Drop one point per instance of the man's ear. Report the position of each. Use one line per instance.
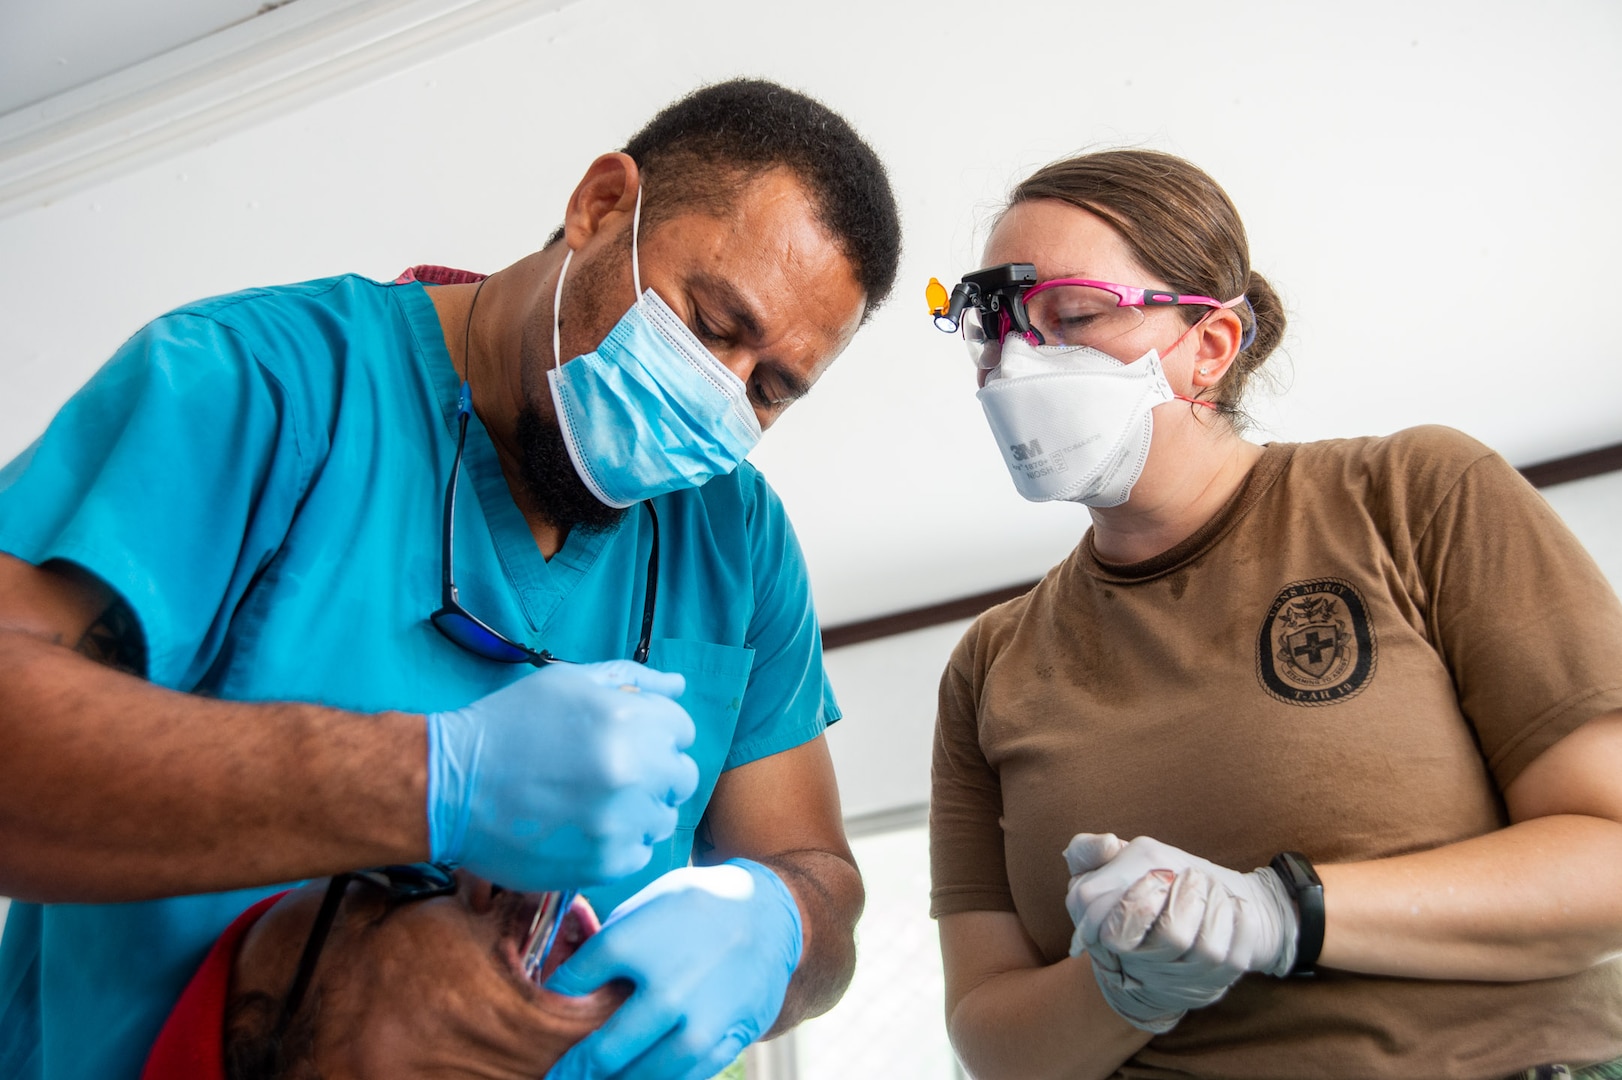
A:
(608, 188)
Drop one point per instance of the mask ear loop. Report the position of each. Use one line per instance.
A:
(557, 294)
(636, 222)
(557, 299)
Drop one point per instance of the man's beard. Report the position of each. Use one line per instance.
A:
(556, 493)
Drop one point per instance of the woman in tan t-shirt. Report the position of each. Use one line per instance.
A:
(1379, 671)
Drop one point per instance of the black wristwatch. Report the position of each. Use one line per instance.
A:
(1301, 880)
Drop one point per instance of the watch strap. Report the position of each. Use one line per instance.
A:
(1301, 881)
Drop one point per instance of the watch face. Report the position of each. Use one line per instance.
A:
(1296, 871)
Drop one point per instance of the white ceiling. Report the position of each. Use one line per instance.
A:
(1430, 186)
(56, 45)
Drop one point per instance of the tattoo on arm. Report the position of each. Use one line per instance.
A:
(115, 639)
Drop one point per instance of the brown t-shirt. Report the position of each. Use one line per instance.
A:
(1352, 660)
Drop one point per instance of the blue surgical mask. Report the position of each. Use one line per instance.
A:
(650, 410)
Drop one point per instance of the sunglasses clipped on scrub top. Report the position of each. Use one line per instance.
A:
(475, 635)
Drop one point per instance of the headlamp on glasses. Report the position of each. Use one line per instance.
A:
(990, 304)
(993, 294)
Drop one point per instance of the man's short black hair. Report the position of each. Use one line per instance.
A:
(703, 148)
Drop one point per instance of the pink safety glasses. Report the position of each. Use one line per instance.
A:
(1073, 312)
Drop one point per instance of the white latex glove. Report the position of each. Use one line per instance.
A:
(1167, 931)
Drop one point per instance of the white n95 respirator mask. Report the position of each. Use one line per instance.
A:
(1071, 422)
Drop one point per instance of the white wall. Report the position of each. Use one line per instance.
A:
(1593, 509)
(1426, 183)
(887, 690)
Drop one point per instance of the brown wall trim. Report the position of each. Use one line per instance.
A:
(967, 607)
(1606, 459)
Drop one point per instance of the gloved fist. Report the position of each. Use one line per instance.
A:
(1168, 931)
(565, 778)
(710, 949)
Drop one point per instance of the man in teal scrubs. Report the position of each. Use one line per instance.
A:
(218, 670)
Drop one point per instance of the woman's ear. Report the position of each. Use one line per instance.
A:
(609, 187)
(1216, 345)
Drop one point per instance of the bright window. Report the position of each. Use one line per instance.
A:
(890, 1023)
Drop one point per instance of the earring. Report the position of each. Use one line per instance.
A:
(1205, 371)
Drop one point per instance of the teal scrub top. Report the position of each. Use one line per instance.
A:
(261, 477)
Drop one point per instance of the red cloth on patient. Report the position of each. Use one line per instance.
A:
(191, 1045)
(429, 274)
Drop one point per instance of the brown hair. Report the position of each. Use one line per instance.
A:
(1180, 226)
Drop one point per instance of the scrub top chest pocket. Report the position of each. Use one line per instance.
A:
(717, 679)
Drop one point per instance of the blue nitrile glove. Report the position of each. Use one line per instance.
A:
(710, 949)
(565, 778)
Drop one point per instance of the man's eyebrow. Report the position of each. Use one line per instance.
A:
(721, 291)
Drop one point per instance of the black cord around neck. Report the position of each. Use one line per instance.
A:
(467, 337)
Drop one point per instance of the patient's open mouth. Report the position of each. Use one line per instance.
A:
(518, 915)
(579, 923)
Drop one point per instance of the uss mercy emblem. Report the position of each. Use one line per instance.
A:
(1316, 646)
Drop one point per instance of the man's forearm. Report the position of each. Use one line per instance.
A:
(829, 892)
(112, 789)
